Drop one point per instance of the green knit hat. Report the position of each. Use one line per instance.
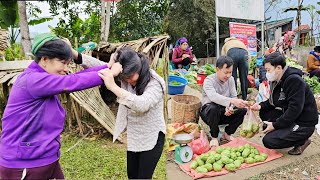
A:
(41, 39)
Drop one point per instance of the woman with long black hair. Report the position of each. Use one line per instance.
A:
(140, 111)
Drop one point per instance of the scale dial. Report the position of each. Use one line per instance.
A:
(186, 154)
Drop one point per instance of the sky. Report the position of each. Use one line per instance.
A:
(275, 12)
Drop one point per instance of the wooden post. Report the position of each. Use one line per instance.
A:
(76, 112)
(5, 90)
(68, 108)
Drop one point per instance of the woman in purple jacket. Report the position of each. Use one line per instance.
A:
(34, 118)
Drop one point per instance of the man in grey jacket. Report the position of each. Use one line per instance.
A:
(219, 101)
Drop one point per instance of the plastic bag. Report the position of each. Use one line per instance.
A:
(318, 125)
(201, 145)
(250, 125)
(264, 92)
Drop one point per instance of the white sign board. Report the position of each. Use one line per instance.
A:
(241, 9)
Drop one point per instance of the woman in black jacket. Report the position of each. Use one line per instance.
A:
(291, 113)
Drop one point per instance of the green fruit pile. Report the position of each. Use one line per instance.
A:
(251, 131)
(229, 158)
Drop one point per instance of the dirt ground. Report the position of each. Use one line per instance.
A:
(308, 168)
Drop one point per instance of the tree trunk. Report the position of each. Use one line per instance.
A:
(24, 28)
(299, 20)
(103, 23)
(312, 42)
(107, 21)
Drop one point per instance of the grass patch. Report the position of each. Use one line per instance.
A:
(98, 159)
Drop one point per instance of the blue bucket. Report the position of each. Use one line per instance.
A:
(176, 89)
(259, 61)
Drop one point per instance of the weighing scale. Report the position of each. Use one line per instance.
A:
(183, 152)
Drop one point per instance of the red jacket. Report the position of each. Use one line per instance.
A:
(177, 55)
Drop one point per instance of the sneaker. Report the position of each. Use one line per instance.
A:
(299, 149)
(214, 142)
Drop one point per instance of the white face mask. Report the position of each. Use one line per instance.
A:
(272, 76)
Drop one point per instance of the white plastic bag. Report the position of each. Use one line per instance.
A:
(264, 92)
(318, 125)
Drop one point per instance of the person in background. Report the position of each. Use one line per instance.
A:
(284, 44)
(218, 101)
(290, 114)
(182, 54)
(140, 112)
(34, 118)
(313, 62)
(238, 52)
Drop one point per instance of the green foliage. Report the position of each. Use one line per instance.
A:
(8, 14)
(98, 159)
(195, 20)
(14, 52)
(71, 26)
(136, 19)
(9, 18)
(33, 22)
(133, 19)
(85, 31)
(252, 65)
(313, 84)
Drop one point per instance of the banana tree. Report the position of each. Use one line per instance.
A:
(9, 19)
(298, 9)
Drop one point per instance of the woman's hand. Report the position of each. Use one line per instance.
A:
(112, 60)
(74, 52)
(185, 56)
(255, 107)
(107, 76)
(116, 69)
(269, 127)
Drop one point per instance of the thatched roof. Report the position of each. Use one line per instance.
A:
(3, 41)
(90, 99)
(152, 46)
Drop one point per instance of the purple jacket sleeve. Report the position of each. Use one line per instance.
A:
(95, 68)
(40, 84)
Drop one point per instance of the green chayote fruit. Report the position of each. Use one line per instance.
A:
(240, 148)
(201, 169)
(193, 165)
(199, 161)
(217, 167)
(250, 160)
(208, 166)
(265, 156)
(219, 150)
(204, 157)
(237, 163)
(245, 152)
(241, 159)
(230, 167)
(211, 160)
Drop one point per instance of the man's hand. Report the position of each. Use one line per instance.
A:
(239, 103)
(255, 107)
(228, 112)
(269, 127)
